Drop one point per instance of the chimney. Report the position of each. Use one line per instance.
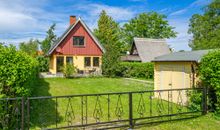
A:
(72, 20)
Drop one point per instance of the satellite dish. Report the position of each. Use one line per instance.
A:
(58, 49)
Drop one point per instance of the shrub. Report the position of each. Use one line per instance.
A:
(136, 69)
(43, 63)
(195, 100)
(17, 72)
(69, 70)
(209, 71)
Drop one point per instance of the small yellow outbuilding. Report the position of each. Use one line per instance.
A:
(177, 70)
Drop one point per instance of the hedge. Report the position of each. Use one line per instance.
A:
(136, 70)
(18, 71)
(209, 71)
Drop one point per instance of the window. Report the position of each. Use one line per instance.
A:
(78, 41)
(96, 61)
(69, 60)
(87, 61)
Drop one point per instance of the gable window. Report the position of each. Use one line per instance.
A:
(78, 41)
(87, 61)
(69, 60)
(96, 61)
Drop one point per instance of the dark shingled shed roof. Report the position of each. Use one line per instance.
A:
(183, 56)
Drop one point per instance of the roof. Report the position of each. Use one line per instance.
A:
(130, 58)
(183, 56)
(148, 49)
(68, 30)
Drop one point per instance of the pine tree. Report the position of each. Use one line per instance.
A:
(49, 40)
(108, 34)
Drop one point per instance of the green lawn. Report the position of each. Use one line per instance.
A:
(61, 86)
(69, 110)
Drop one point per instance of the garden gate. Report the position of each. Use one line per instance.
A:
(99, 111)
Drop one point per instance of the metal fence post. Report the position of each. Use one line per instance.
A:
(204, 101)
(28, 113)
(22, 113)
(130, 111)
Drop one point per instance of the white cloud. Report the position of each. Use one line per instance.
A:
(182, 39)
(196, 4)
(118, 13)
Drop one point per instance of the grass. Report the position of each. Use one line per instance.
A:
(69, 109)
(61, 86)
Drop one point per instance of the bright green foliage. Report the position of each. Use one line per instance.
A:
(108, 30)
(43, 63)
(49, 40)
(136, 69)
(195, 100)
(209, 71)
(30, 47)
(69, 70)
(17, 72)
(148, 25)
(108, 34)
(206, 28)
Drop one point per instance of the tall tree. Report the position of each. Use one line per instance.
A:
(30, 47)
(205, 28)
(148, 25)
(49, 40)
(108, 33)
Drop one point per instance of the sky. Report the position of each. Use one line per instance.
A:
(21, 20)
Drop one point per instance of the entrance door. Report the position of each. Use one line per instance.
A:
(172, 77)
(60, 63)
(165, 80)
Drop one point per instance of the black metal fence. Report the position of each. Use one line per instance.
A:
(99, 111)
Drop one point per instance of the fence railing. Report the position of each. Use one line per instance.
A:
(105, 110)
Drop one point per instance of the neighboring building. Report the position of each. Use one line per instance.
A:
(177, 70)
(77, 46)
(145, 50)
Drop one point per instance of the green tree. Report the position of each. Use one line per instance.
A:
(108, 32)
(205, 28)
(30, 47)
(49, 40)
(148, 25)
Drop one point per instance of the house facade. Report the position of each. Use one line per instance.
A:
(77, 46)
(146, 49)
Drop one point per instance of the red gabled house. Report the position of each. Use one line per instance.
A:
(77, 46)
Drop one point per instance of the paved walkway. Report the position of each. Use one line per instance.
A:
(139, 80)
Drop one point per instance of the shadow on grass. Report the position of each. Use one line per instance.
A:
(43, 111)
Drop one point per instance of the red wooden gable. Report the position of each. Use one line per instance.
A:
(66, 46)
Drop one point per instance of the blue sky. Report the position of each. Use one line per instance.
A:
(25, 19)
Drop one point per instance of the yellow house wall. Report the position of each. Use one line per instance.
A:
(78, 62)
(173, 75)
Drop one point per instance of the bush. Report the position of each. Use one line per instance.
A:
(69, 70)
(136, 69)
(17, 72)
(195, 100)
(43, 63)
(209, 71)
